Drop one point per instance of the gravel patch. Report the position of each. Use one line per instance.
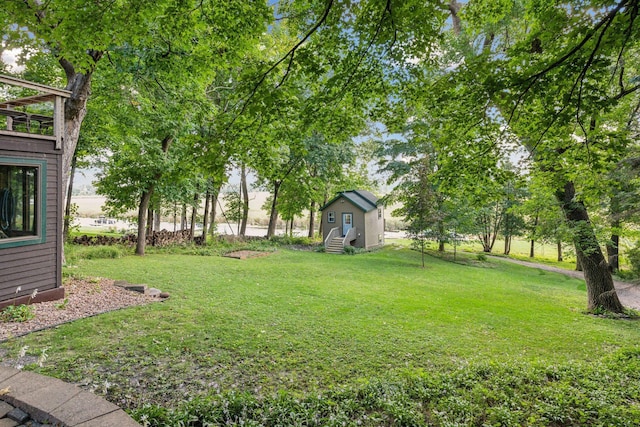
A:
(83, 298)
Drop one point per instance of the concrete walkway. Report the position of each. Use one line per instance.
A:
(54, 402)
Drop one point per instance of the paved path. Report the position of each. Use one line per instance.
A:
(51, 401)
(628, 293)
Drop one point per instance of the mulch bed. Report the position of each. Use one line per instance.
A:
(247, 254)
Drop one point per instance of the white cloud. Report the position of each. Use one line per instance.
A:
(10, 57)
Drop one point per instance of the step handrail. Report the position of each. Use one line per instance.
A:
(333, 233)
(348, 237)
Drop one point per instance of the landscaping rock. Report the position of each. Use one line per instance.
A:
(18, 415)
(137, 288)
(164, 295)
(6, 422)
(5, 408)
(153, 292)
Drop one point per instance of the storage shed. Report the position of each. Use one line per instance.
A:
(30, 191)
(352, 218)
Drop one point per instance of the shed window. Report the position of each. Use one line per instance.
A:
(21, 209)
(331, 216)
(379, 213)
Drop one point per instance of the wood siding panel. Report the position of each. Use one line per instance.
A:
(36, 266)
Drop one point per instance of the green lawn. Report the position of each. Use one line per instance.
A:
(309, 322)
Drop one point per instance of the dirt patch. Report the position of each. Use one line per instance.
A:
(83, 298)
(247, 254)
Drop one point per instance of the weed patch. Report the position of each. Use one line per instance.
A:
(483, 394)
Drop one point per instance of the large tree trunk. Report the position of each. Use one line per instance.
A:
(75, 110)
(245, 200)
(601, 292)
(273, 216)
(67, 207)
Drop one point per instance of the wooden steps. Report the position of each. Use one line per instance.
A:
(334, 246)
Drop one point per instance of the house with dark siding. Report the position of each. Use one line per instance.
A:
(31, 132)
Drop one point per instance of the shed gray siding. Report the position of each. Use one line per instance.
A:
(369, 228)
(35, 266)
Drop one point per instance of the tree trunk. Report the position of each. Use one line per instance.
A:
(214, 211)
(559, 250)
(322, 224)
(149, 221)
(205, 217)
(613, 250)
(175, 216)
(194, 216)
(145, 199)
(67, 207)
(441, 240)
(245, 200)
(291, 227)
(142, 216)
(157, 218)
(312, 219)
(578, 264)
(273, 216)
(183, 218)
(533, 240)
(601, 292)
(507, 244)
(75, 110)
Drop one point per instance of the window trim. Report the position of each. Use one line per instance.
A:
(329, 215)
(41, 202)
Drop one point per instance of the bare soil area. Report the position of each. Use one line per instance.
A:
(247, 254)
(83, 298)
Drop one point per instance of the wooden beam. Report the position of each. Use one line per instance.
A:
(35, 86)
(30, 100)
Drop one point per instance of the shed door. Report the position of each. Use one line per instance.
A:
(347, 223)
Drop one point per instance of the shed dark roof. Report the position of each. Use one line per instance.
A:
(363, 199)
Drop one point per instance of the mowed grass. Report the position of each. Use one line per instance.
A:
(309, 322)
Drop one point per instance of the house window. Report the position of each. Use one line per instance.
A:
(331, 216)
(379, 213)
(21, 206)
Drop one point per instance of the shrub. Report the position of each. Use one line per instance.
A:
(349, 250)
(633, 255)
(17, 313)
(102, 252)
(481, 257)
